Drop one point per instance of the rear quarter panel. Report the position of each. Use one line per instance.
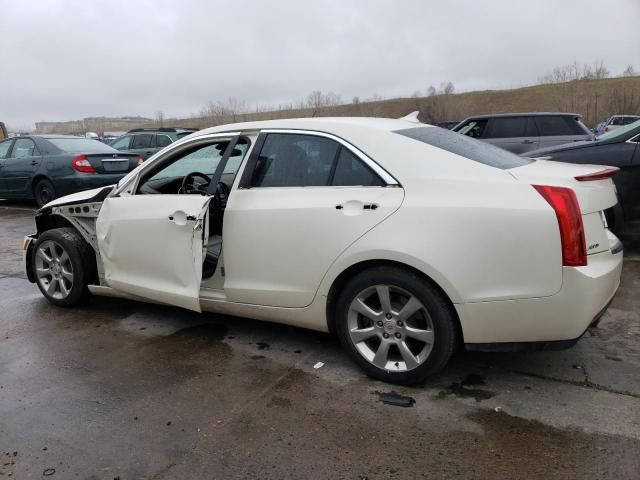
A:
(480, 241)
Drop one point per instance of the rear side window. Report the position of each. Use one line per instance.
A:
(298, 160)
(510, 127)
(351, 171)
(464, 146)
(24, 147)
(162, 141)
(555, 125)
(142, 141)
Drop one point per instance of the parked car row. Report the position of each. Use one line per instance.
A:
(44, 167)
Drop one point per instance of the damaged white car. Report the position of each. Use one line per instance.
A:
(406, 240)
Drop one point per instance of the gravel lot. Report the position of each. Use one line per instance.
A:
(125, 390)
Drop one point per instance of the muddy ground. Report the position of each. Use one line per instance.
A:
(125, 390)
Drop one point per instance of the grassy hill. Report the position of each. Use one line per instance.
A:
(593, 99)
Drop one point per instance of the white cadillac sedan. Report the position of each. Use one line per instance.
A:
(405, 240)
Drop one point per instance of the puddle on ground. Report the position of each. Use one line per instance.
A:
(465, 389)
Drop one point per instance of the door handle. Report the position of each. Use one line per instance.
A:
(528, 142)
(34, 162)
(181, 218)
(365, 206)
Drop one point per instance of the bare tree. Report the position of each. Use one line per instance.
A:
(159, 118)
(629, 71)
(431, 91)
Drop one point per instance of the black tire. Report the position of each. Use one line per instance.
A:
(44, 192)
(80, 259)
(443, 324)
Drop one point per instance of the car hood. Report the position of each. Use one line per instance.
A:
(86, 196)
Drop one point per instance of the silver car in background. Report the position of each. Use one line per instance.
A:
(522, 132)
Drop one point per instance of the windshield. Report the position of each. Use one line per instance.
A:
(466, 147)
(619, 132)
(86, 145)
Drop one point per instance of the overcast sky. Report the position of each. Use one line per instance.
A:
(67, 59)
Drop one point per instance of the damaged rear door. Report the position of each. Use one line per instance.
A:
(151, 246)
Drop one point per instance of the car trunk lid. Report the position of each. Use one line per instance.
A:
(112, 163)
(594, 194)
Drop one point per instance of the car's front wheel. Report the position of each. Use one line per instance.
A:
(396, 325)
(62, 267)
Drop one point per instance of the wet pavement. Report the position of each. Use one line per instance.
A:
(125, 390)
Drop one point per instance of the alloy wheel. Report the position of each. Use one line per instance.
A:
(54, 269)
(391, 328)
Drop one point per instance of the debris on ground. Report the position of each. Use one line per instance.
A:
(318, 365)
(395, 399)
(48, 472)
(498, 409)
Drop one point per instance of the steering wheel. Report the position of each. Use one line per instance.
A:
(189, 187)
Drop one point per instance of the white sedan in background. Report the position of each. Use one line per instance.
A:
(405, 240)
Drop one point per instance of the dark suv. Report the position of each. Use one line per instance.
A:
(521, 132)
(147, 141)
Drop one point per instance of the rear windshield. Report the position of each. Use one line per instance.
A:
(86, 145)
(465, 146)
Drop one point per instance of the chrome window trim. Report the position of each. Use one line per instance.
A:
(381, 172)
(635, 139)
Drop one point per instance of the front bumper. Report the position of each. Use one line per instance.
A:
(585, 294)
(27, 255)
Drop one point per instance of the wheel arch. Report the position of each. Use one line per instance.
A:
(351, 271)
(36, 178)
(48, 221)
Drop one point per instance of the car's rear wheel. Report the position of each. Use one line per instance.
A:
(396, 325)
(62, 267)
(44, 192)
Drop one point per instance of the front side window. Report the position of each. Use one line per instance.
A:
(473, 128)
(24, 147)
(4, 148)
(142, 141)
(556, 125)
(121, 143)
(202, 160)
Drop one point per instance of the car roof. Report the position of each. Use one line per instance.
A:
(324, 124)
(521, 114)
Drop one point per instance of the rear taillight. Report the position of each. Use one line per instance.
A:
(82, 164)
(564, 202)
(139, 160)
(599, 175)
